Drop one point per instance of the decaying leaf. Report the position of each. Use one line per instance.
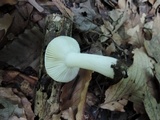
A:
(151, 106)
(117, 105)
(12, 106)
(63, 8)
(110, 28)
(152, 46)
(133, 28)
(133, 87)
(86, 77)
(111, 48)
(11, 2)
(23, 82)
(84, 15)
(25, 50)
(74, 96)
(25, 10)
(136, 36)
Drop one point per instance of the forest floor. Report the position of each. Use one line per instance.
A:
(127, 30)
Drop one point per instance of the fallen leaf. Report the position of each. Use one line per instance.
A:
(14, 106)
(152, 46)
(122, 17)
(133, 28)
(111, 48)
(25, 50)
(11, 2)
(117, 105)
(74, 95)
(136, 36)
(25, 10)
(86, 77)
(23, 82)
(131, 88)
(64, 10)
(91, 99)
(151, 106)
(84, 15)
(27, 107)
(101, 8)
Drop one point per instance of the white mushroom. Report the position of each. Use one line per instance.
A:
(63, 60)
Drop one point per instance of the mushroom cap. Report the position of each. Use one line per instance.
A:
(55, 58)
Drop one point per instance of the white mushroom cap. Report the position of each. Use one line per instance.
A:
(55, 57)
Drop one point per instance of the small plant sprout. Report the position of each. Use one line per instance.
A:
(63, 60)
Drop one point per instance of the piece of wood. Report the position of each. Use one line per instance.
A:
(47, 91)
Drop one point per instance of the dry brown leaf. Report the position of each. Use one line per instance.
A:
(14, 106)
(122, 17)
(18, 25)
(109, 29)
(64, 10)
(10, 76)
(133, 29)
(23, 82)
(74, 95)
(111, 48)
(115, 105)
(11, 2)
(25, 50)
(84, 16)
(86, 77)
(136, 36)
(25, 10)
(27, 107)
(133, 87)
(91, 99)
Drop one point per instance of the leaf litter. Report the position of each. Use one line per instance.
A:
(128, 31)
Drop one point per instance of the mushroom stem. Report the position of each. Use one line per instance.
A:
(100, 64)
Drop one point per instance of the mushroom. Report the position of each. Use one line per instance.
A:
(63, 60)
